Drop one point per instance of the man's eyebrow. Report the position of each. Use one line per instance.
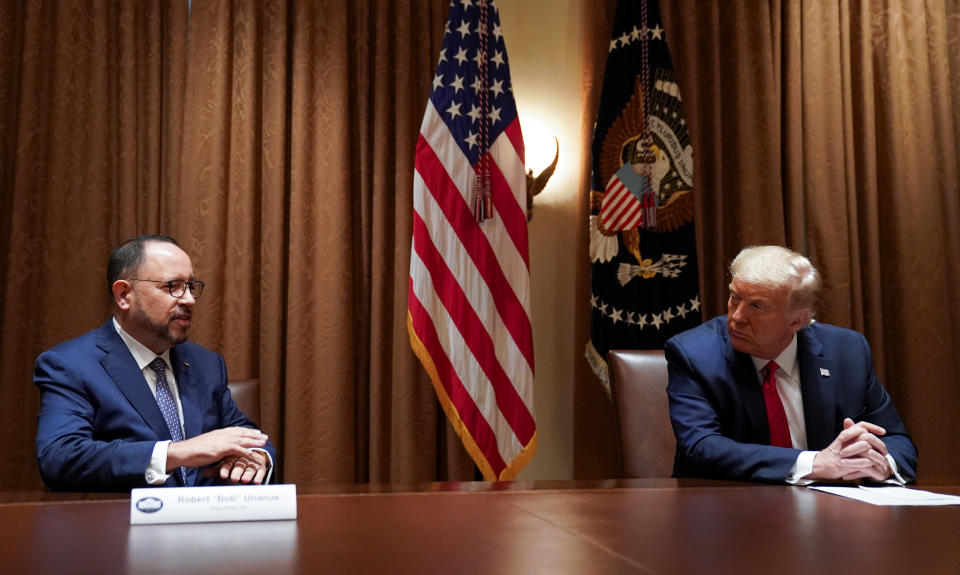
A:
(749, 298)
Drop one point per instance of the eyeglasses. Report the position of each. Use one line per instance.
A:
(177, 288)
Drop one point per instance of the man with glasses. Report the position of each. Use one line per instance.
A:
(133, 403)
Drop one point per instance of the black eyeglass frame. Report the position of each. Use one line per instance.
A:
(185, 285)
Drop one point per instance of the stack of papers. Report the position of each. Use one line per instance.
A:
(891, 495)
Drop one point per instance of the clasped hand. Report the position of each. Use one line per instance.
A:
(252, 468)
(856, 453)
(229, 450)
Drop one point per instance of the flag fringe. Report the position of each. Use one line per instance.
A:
(521, 460)
(599, 366)
(513, 467)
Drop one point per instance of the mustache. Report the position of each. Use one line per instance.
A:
(182, 314)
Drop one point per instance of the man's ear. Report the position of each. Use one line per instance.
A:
(122, 294)
(799, 319)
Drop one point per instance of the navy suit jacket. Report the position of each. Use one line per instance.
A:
(720, 419)
(99, 421)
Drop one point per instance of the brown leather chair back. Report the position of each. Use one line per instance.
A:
(246, 394)
(638, 383)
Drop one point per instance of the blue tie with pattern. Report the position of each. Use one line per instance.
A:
(169, 408)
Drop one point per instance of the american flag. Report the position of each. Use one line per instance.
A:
(469, 301)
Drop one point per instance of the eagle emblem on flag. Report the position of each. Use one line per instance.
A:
(643, 260)
(656, 169)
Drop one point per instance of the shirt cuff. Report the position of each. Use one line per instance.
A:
(156, 473)
(895, 477)
(802, 468)
(266, 480)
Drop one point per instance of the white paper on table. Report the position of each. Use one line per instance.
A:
(891, 495)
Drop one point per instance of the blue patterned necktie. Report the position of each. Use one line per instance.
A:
(169, 408)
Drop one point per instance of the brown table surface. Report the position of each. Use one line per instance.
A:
(624, 526)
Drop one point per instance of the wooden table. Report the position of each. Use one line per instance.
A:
(638, 526)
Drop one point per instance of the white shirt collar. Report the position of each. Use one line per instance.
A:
(141, 353)
(787, 360)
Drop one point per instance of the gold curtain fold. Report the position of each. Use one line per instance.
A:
(87, 109)
(833, 128)
(275, 140)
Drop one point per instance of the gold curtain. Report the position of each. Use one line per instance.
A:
(275, 140)
(89, 96)
(833, 128)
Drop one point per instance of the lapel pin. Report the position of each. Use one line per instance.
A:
(824, 372)
(187, 363)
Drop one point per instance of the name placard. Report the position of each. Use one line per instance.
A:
(210, 504)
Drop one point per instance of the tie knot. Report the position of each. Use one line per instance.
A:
(772, 368)
(158, 365)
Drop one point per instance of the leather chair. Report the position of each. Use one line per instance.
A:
(645, 440)
(246, 394)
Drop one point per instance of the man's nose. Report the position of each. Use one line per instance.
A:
(187, 299)
(737, 312)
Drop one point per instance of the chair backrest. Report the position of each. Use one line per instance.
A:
(638, 383)
(246, 394)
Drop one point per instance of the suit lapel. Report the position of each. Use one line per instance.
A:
(750, 393)
(817, 388)
(181, 359)
(118, 362)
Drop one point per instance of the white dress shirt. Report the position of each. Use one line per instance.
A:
(156, 472)
(791, 395)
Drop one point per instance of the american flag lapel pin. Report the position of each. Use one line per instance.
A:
(824, 372)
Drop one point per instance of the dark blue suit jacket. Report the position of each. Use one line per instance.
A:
(99, 421)
(720, 419)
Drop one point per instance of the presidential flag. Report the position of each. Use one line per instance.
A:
(469, 299)
(644, 284)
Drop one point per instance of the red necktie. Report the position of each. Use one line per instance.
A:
(776, 417)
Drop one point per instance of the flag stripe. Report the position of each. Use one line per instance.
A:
(469, 296)
(475, 289)
(619, 197)
(475, 385)
(511, 259)
(477, 246)
(464, 402)
(510, 198)
(618, 200)
(632, 213)
(473, 331)
(632, 216)
(516, 139)
(635, 216)
(612, 213)
(620, 208)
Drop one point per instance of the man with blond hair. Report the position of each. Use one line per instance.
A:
(766, 393)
